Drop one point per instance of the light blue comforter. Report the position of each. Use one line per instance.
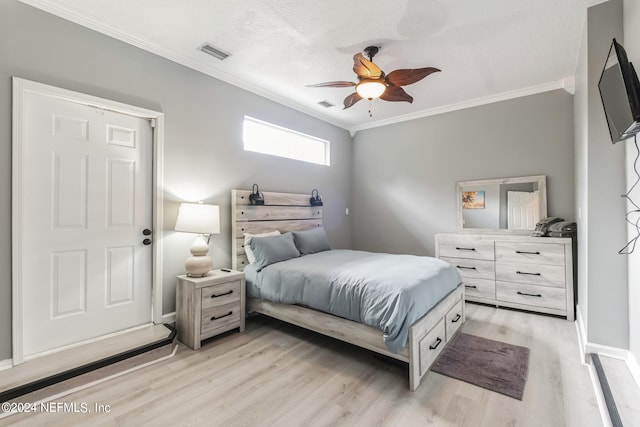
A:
(389, 292)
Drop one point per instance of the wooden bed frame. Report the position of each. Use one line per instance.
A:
(292, 212)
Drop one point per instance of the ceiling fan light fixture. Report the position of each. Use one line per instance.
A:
(371, 88)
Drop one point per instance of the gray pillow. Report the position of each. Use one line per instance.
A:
(311, 241)
(271, 249)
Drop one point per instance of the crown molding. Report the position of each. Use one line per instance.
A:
(531, 90)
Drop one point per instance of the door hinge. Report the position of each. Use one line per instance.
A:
(152, 122)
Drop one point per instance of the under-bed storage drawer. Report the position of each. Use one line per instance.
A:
(431, 345)
(453, 319)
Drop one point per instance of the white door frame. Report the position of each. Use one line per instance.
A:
(20, 88)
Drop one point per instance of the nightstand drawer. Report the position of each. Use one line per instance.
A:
(218, 319)
(541, 274)
(217, 295)
(530, 253)
(537, 296)
(473, 268)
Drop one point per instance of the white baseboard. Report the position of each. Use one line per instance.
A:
(607, 351)
(6, 364)
(632, 364)
(169, 317)
(582, 337)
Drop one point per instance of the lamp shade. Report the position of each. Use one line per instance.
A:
(198, 218)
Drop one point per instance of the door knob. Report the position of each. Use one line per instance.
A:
(146, 232)
(146, 242)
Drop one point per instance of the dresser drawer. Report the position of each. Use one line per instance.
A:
(473, 268)
(224, 293)
(431, 345)
(465, 247)
(540, 274)
(218, 319)
(453, 319)
(480, 288)
(533, 295)
(530, 253)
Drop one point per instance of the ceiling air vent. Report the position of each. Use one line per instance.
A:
(326, 104)
(214, 51)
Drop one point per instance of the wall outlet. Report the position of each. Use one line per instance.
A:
(346, 211)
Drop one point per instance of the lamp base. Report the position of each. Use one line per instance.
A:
(199, 263)
(198, 266)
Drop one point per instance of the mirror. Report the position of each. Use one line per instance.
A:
(510, 205)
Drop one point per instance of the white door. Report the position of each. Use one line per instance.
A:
(523, 209)
(87, 197)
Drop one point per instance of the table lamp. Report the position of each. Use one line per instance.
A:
(202, 219)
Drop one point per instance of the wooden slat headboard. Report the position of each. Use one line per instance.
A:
(281, 211)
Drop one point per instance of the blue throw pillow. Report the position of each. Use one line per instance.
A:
(271, 249)
(311, 241)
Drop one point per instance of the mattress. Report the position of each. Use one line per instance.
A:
(385, 291)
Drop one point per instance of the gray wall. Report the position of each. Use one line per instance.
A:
(204, 158)
(404, 175)
(632, 46)
(581, 143)
(607, 299)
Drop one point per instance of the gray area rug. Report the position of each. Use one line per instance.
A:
(494, 365)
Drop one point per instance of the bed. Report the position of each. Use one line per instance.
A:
(417, 337)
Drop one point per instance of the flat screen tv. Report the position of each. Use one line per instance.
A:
(620, 93)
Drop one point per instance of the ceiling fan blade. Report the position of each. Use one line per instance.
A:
(408, 76)
(351, 99)
(365, 68)
(396, 94)
(333, 84)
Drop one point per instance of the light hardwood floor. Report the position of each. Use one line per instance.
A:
(277, 374)
(624, 389)
(70, 358)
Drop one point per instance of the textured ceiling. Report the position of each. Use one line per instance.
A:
(487, 50)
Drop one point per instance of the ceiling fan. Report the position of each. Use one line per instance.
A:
(374, 83)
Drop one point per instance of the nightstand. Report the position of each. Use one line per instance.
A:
(208, 306)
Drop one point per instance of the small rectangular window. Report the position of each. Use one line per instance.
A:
(267, 138)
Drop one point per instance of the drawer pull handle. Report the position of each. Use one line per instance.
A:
(465, 249)
(455, 319)
(466, 268)
(528, 274)
(530, 295)
(434, 346)
(220, 317)
(471, 286)
(221, 295)
(528, 253)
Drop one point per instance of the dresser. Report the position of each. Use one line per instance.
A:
(529, 273)
(210, 305)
